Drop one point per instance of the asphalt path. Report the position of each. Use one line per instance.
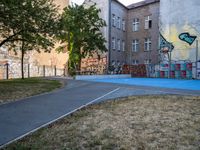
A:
(18, 119)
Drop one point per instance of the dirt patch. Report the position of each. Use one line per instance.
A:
(142, 122)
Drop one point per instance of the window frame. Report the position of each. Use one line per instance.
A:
(148, 22)
(147, 44)
(118, 44)
(135, 24)
(147, 61)
(135, 62)
(113, 43)
(123, 25)
(135, 45)
(118, 22)
(113, 20)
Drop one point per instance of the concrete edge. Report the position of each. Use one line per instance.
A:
(92, 77)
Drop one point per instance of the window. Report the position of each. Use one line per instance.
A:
(147, 44)
(118, 63)
(135, 45)
(113, 43)
(118, 44)
(135, 62)
(113, 20)
(148, 22)
(135, 24)
(147, 61)
(123, 45)
(123, 25)
(113, 63)
(118, 23)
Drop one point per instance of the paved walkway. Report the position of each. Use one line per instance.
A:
(25, 116)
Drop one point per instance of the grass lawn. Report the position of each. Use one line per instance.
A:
(144, 122)
(11, 90)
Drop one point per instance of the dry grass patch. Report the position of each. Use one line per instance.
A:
(144, 122)
(11, 90)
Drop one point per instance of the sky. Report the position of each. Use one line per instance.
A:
(125, 2)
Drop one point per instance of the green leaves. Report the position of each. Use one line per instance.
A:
(30, 24)
(34, 20)
(81, 30)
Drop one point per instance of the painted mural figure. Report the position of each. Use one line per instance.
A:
(165, 48)
(164, 55)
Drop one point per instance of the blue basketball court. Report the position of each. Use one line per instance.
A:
(155, 82)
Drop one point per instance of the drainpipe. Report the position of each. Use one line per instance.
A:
(109, 36)
(197, 50)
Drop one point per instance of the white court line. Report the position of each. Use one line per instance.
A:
(48, 123)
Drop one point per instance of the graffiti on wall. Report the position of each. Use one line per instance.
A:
(97, 65)
(186, 37)
(174, 24)
(165, 48)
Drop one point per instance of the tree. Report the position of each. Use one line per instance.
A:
(29, 23)
(81, 30)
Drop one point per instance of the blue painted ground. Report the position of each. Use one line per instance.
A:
(156, 82)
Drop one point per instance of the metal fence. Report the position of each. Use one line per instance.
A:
(14, 71)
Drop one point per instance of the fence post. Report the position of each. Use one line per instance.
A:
(7, 71)
(55, 70)
(64, 71)
(43, 70)
(28, 70)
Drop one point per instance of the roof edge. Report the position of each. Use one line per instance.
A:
(142, 3)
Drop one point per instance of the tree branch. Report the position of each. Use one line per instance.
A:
(10, 38)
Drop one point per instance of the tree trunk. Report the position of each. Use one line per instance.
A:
(22, 60)
(79, 65)
(80, 58)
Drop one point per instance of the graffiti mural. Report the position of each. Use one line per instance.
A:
(179, 21)
(165, 48)
(95, 65)
(186, 37)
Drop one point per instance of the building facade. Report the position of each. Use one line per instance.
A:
(143, 33)
(118, 35)
(132, 32)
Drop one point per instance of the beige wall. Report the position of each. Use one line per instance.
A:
(32, 57)
(54, 58)
(62, 3)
